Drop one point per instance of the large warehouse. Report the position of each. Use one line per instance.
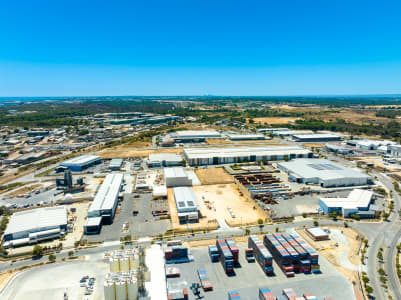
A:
(316, 137)
(178, 176)
(215, 156)
(323, 172)
(103, 207)
(187, 205)
(164, 160)
(187, 136)
(358, 202)
(82, 162)
(36, 225)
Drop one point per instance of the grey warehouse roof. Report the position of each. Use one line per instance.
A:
(321, 168)
(37, 219)
(170, 157)
(81, 160)
(107, 193)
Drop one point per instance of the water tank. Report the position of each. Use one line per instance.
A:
(134, 262)
(147, 276)
(132, 287)
(109, 291)
(124, 264)
(68, 197)
(114, 265)
(121, 292)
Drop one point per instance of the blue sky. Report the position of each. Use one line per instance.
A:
(67, 48)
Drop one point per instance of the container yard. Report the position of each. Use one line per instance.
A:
(213, 253)
(204, 280)
(234, 250)
(262, 255)
(176, 254)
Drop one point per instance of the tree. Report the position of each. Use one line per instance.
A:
(37, 250)
(315, 223)
(52, 258)
(368, 289)
(70, 253)
(247, 231)
(260, 221)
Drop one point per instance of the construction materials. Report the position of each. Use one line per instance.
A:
(249, 255)
(204, 279)
(234, 295)
(266, 294)
(226, 257)
(262, 255)
(234, 250)
(213, 253)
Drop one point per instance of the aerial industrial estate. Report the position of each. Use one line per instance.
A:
(198, 199)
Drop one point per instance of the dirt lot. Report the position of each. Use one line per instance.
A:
(355, 117)
(333, 253)
(138, 144)
(258, 142)
(5, 278)
(213, 176)
(216, 199)
(136, 153)
(275, 120)
(24, 190)
(313, 145)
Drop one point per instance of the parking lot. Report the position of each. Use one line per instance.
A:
(249, 277)
(141, 225)
(52, 281)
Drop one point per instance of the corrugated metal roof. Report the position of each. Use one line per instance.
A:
(107, 193)
(35, 219)
(357, 198)
(185, 199)
(174, 172)
(165, 157)
(243, 151)
(80, 160)
(320, 168)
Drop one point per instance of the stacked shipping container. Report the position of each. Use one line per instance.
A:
(262, 255)
(213, 253)
(226, 256)
(303, 265)
(280, 254)
(204, 279)
(266, 294)
(313, 256)
(234, 249)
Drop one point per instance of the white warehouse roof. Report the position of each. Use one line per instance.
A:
(185, 200)
(356, 199)
(243, 151)
(321, 168)
(169, 157)
(107, 193)
(37, 219)
(195, 134)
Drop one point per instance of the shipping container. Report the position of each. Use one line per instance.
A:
(266, 294)
(280, 254)
(213, 253)
(249, 255)
(289, 293)
(234, 249)
(234, 295)
(204, 280)
(262, 255)
(313, 256)
(226, 257)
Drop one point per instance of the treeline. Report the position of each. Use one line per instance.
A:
(391, 114)
(390, 130)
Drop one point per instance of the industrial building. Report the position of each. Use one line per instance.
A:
(369, 144)
(272, 130)
(116, 164)
(177, 176)
(245, 137)
(358, 202)
(188, 208)
(317, 234)
(193, 136)
(316, 137)
(215, 156)
(164, 160)
(103, 207)
(395, 150)
(287, 132)
(82, 162)
(36, 225)
(338, 148)
(323, 172)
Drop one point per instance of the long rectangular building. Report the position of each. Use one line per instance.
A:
(316, 137)
(32, 226)
(103, 207)
(216, 156)
(82, 162)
